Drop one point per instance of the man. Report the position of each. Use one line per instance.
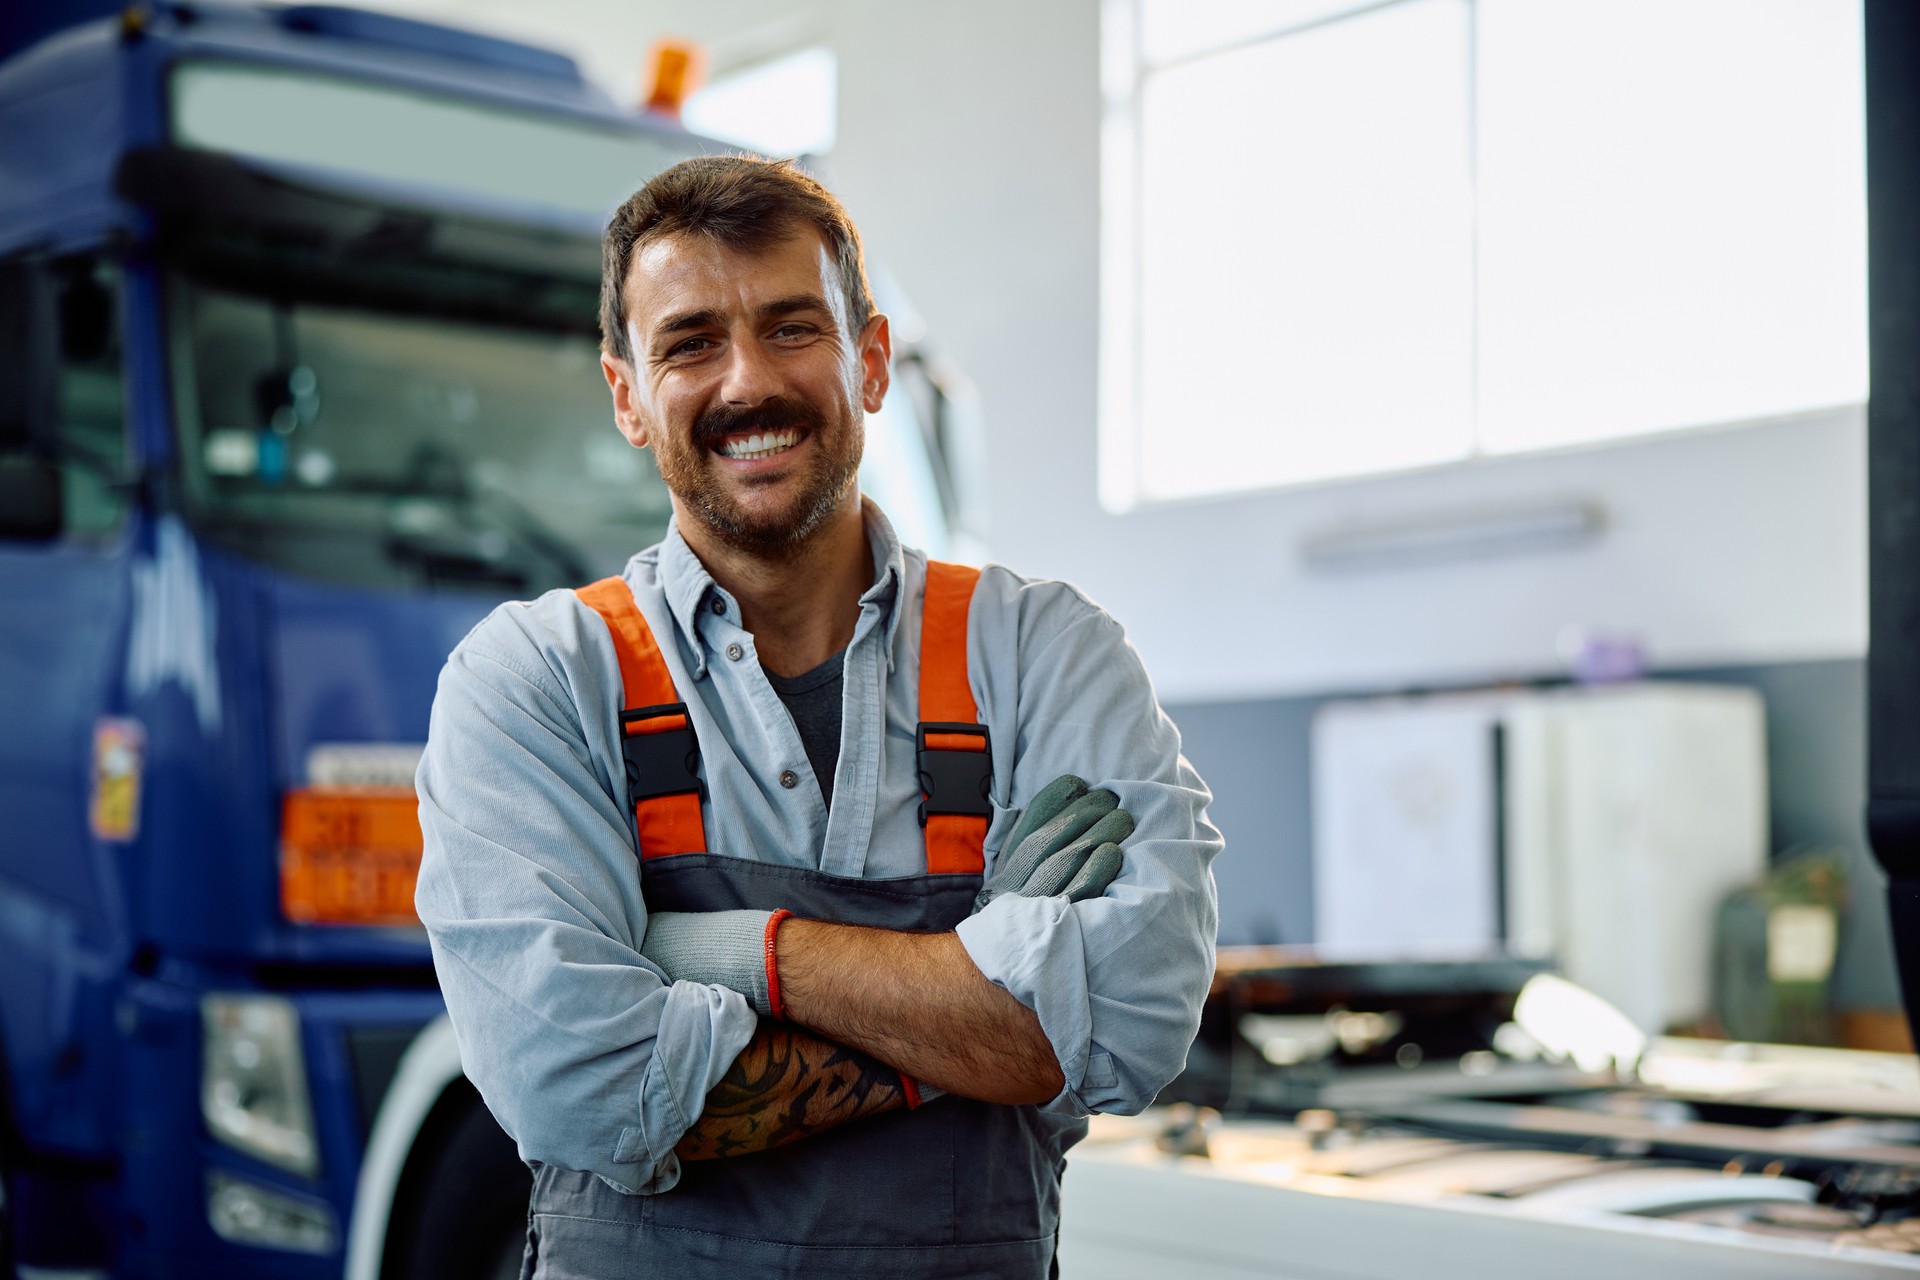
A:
(727, 1056)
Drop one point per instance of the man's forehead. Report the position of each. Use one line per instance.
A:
(670, 273)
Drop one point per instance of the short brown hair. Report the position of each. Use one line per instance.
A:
(744, 203)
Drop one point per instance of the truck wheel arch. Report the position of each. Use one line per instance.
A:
(428, 1103)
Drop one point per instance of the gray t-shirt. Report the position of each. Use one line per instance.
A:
(813, 700)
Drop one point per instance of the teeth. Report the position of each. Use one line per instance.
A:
(761, 444)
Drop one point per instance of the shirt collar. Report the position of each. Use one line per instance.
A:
(685, 582)
(687, 585)
(889, 569)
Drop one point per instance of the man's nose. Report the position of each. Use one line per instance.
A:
(750, 376)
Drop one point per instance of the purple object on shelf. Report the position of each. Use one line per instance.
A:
(1600, 657)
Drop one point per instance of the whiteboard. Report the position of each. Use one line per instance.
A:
(1405, 828)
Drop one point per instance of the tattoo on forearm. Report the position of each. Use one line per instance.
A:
(788, 1084)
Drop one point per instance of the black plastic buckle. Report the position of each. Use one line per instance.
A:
(661, 764)
(952, 780)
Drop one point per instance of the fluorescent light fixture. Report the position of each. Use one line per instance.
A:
(1460, 536)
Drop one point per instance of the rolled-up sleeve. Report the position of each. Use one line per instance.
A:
(1118, 981)
(531, 899)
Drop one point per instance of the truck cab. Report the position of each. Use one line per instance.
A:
(298, 379)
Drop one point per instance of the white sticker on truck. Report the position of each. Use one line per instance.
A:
(363, 764)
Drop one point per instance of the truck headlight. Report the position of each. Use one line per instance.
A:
(253, 1085)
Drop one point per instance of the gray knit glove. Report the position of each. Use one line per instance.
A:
(720, 948)
(1067, 842)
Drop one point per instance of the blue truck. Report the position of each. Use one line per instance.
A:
(297, 380)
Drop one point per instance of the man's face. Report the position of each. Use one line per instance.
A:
(747, 385)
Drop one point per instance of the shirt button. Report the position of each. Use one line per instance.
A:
(789, 779)
(735, 652)
(719, 605)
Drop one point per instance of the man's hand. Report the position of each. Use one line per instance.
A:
(1067, 841)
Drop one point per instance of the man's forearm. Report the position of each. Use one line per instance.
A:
(912, 1001)
(788, 1084)
(917, 1002)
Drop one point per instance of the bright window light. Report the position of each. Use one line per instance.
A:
(1341, 238)
(1672, 215)
(1173, 29)
(1306, 257)
(783, 107)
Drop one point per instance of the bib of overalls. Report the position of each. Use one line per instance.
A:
(953, 1188)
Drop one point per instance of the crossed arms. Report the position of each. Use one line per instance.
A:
(881, 1003)
(530, 901)
(916, 1002)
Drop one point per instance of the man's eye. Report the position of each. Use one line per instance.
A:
(793, 331)
(690, 347)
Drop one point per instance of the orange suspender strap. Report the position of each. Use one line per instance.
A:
(956, 769)
(662, 755)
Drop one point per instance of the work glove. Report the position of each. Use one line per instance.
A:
(721, 948)
(1067, 842)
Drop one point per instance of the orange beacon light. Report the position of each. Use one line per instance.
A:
(678, 66)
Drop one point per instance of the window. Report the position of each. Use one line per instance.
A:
(1341, 238)
(388, 136)
(92, 393)
(781, 107)
(403, 450)
(63, 436)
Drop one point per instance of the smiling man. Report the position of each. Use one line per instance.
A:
(774, 919)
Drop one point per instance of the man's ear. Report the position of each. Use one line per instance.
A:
(626, 408)
(876, 363)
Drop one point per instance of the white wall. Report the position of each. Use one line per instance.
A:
(1723, 547)
(968, 153)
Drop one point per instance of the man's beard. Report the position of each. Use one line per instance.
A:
(701, 493)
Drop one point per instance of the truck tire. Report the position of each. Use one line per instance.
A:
(465, 1214)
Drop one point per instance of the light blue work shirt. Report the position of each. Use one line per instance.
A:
(530, 891)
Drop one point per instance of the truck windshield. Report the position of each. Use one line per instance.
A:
(404, 450)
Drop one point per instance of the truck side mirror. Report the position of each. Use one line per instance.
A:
(30, 485)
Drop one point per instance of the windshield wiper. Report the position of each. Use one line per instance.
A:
(532, 531)
(435, 473)
(465, 557)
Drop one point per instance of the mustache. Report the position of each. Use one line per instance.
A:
(777, 414)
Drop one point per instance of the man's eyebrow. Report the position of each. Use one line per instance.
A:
(794, 303)
(685, 320)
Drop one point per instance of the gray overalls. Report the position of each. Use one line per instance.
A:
(955, 1188)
